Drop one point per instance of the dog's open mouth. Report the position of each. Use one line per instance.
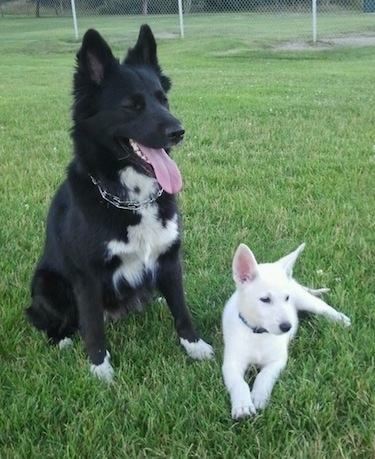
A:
(164, 168)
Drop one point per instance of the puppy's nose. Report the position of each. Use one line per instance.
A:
(285, 326)
(175, 133)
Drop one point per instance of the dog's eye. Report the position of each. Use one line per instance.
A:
(162, 98)
(287, 298)
(265, 299)
(132, 104)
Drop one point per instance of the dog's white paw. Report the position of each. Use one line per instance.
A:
(243, 411)
(104, 371)
(344, 319)
(339, 317)
(260, 399)
(199, 350)
(242, 404)
(65, 342)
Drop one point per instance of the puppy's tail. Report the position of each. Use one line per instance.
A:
(316, 292)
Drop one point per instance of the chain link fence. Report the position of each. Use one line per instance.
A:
(258, 20)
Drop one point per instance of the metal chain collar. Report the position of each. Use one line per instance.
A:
(122, 204)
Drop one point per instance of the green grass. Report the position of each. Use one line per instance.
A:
(280, 149)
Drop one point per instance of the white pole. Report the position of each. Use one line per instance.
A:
(314, 19)
(181, 16)
(73, 3)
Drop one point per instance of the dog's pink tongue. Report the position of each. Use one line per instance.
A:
(166, 171)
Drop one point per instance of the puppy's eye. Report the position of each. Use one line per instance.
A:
(287, 298)
(265, 299)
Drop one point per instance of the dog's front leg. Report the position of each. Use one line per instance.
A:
(239, 390)
(170, 284)
(264, 383)
(88, 296)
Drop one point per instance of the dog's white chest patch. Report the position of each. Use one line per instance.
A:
(133, 180)
(145, 243)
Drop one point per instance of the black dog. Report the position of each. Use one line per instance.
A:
(113, 233)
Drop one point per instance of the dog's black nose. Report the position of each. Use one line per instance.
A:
(175, 134)
(285, 327)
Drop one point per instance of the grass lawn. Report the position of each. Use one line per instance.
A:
(280, 149)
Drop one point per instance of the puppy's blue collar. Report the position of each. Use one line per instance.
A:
(254, 329)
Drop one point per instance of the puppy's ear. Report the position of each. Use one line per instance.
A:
(287, 262)
(245, 266)
(95, 58)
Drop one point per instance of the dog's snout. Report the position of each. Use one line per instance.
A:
(175, 134)
(285, 326)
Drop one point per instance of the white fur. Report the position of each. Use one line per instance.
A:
(104, 371)
(147, 240)
(199, 350)
(65, 342)
(145, 185)
(282, 297)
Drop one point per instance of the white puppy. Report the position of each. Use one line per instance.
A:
(259, 320)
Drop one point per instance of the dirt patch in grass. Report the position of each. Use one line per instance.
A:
(328, 43)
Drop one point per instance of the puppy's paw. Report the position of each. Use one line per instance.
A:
(260, 399)
(198, 350)
(104, 371)
(339, 317)
(65, 342)
(344, 319)
(243, 411)
(242, 405)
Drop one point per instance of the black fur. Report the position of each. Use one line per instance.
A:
(73, 285)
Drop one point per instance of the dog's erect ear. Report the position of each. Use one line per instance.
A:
(95, 56)
(245, 266)
(288, 261)
(145, 53)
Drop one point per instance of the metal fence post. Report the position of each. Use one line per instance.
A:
(72, 2)
(314, 20)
